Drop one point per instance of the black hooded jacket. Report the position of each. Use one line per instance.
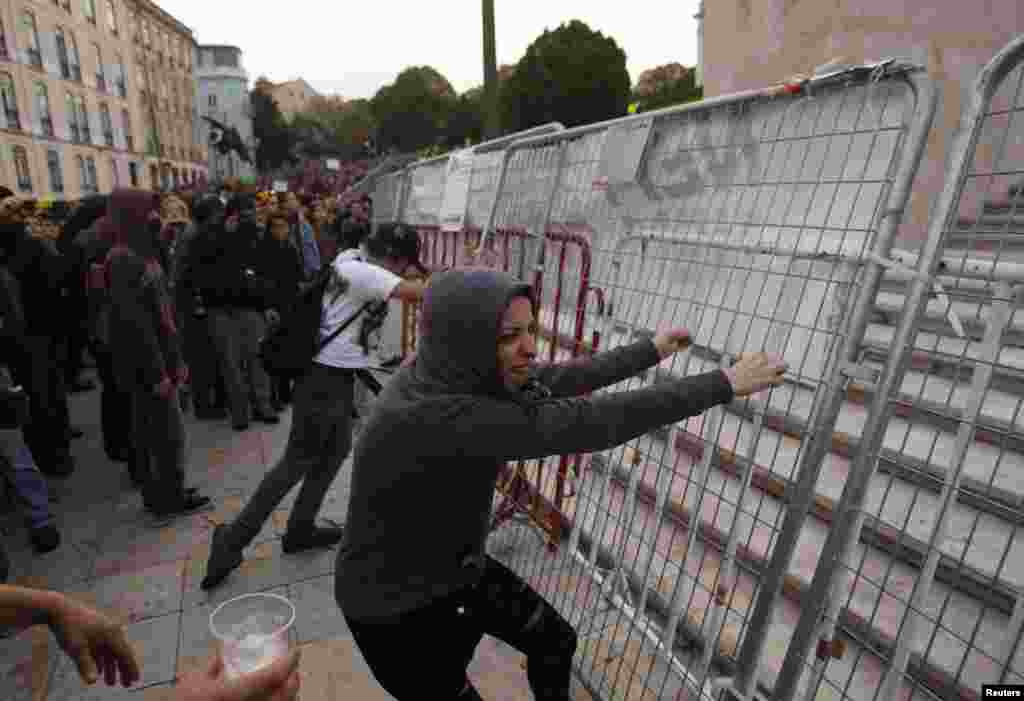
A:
(426, 463)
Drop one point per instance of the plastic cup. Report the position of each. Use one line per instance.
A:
(252, 630)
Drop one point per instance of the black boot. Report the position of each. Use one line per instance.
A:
(308, 539)
(223, 561)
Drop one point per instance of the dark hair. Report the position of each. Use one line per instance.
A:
(207, 208)
(5, 192)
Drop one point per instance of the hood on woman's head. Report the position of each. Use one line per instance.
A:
(457, 351)
(130, 211)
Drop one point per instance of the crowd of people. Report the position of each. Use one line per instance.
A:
(171, 298)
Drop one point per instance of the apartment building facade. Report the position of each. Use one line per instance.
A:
(292, 96)
(95, 94)
(222, 93)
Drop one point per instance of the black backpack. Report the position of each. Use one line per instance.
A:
(288, 349)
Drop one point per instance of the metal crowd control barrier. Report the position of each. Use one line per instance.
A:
(947, 406)
(762, 220)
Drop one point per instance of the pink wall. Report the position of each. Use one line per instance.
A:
(755, 43)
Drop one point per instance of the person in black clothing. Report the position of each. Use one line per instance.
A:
(115, 402)
(77, 333)
(146, 353)
(285, 270)
(234, 284)
(42, 276)
(208, 393)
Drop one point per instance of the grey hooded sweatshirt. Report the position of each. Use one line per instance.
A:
(427, 460)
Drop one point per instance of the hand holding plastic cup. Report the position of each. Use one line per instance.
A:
(253, 631)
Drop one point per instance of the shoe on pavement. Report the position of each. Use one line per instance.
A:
(45, 539)
(222, 561)
(189, 502)
(316, 537)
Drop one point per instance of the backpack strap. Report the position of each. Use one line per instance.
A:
(326, 342)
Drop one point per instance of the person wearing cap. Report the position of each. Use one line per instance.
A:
(356, 300)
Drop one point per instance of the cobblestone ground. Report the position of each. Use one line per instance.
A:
(113, 557)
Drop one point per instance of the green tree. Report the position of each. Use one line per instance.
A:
(572, 75)
(413, 112)
(664, 86)
(467, 119)
(271, 131)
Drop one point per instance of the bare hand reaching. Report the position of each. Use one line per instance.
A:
(95, 643)
(672, 341)
(754, 372)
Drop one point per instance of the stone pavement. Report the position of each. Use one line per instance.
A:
(114, 558)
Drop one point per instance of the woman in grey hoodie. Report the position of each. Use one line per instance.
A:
(412, 578)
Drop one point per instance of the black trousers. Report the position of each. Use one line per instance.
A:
(423, 654)
(41, 372)
(201, 357)
(115, 405)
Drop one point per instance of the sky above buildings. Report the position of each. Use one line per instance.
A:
(353, 49)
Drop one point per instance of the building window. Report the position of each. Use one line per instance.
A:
(122, 78)
(115, 176)
(72, 115)
(212, 101)
(53, 165)
(107, 125)
(90, 167)
(83, 120)
(133, 173)
(43, 108)
(7, 95)
(112, 17)
(28, 24)
(21, 169)
(154, 177)
(101, 75)
(129, 140)
(4, 53)
(89, 10)
(67, 54)
(87, 174)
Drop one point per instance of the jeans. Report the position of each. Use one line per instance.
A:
(28, 482)
(423, 654)
(319, 442)
(236, 335)
(158, 446)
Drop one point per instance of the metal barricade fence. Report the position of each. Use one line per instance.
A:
(762, 220)
(941, 449)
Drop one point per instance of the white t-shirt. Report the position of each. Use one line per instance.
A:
(366, 283)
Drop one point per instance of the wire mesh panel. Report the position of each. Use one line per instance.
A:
(752, 222)
(425, 191)
(935, 605)
(386, 198)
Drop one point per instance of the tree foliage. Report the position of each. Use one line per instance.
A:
(271, 131)
(413, 112)
(667, 85)
(572, 75)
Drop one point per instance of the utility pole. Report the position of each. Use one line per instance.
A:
(492, 126)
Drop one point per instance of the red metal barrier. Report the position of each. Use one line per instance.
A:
(442, 250)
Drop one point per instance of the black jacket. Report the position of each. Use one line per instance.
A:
(284, 268)
(43, 277)
(232, 270)
(442, 428)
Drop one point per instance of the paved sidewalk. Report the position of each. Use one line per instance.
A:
(149, 577)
